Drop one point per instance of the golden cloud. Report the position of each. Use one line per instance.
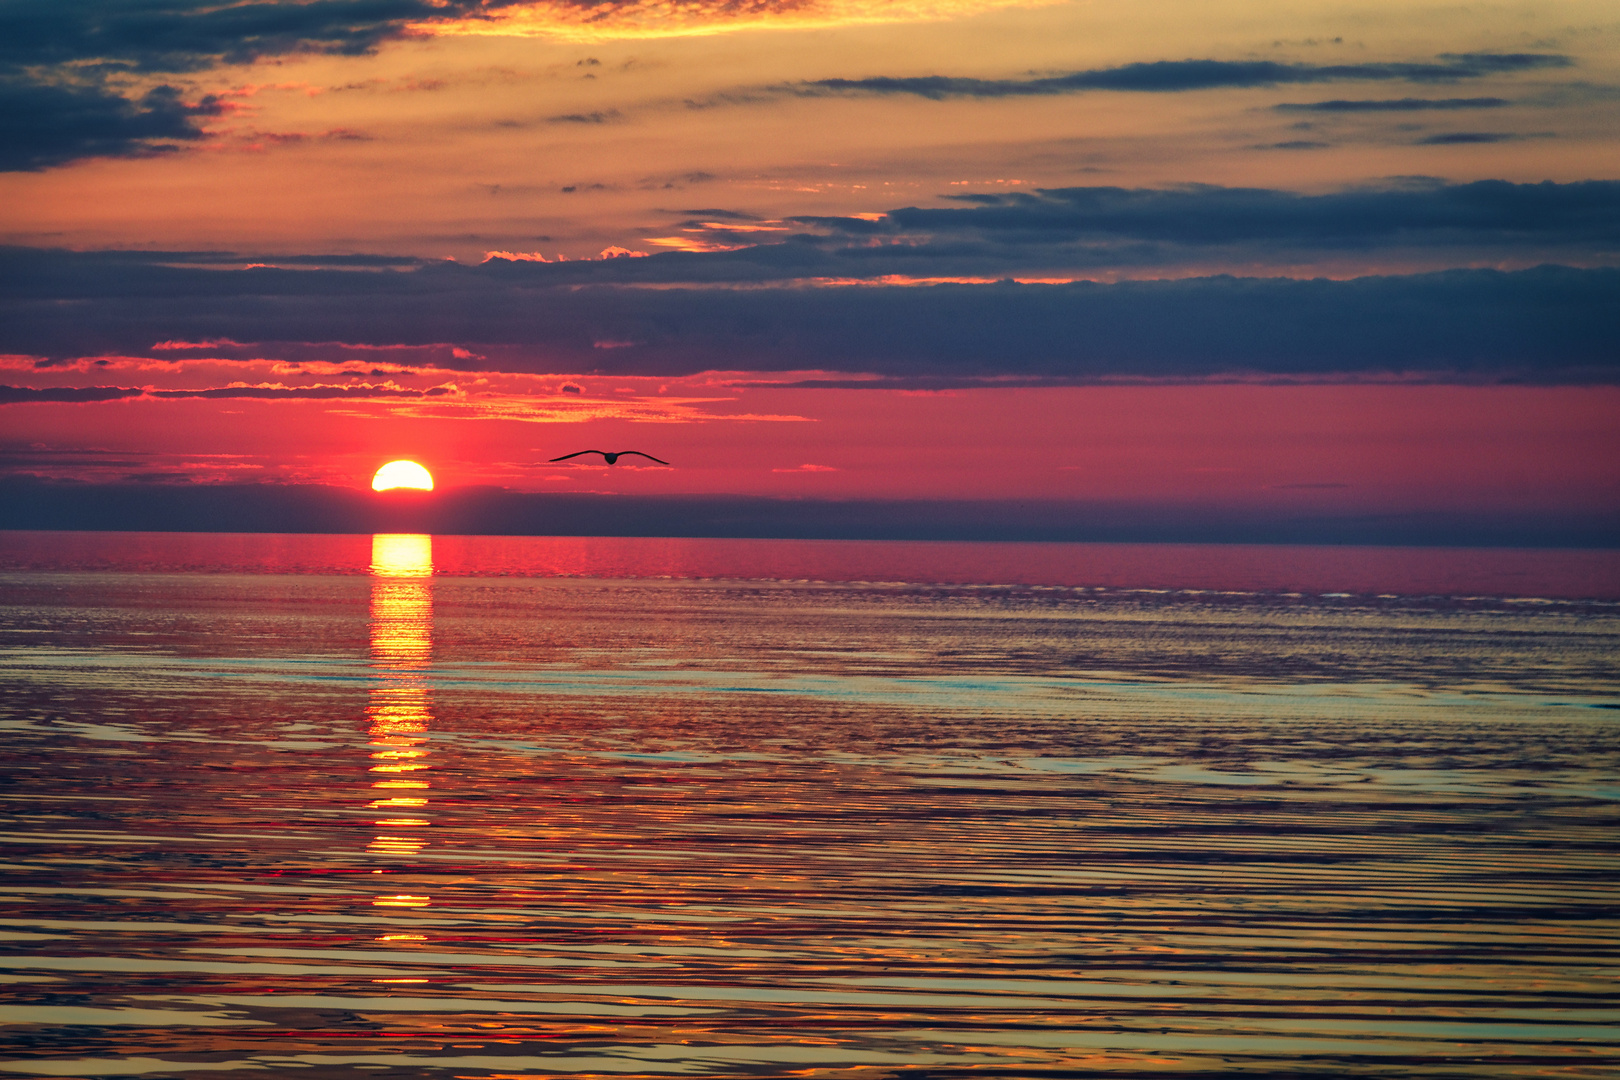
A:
(608, 20)
(556, 410)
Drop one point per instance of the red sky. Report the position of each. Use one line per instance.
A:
(1340, 447)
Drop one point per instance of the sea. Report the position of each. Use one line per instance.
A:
(511, 808)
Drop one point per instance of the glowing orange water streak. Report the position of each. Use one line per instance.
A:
(401, 706)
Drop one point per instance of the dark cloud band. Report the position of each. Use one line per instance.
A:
(1408, 104)
(1551, 324)
(1463, 138)
(1484, 213)
(1171, 76)
(1554, 323)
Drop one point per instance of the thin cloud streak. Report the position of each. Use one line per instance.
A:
(445, 401)
(1489, 212)
(19, 395)
(1340, 105)
(1179, 76)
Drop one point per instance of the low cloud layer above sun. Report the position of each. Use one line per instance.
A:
(680, 314)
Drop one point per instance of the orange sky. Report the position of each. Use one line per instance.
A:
(449, 145)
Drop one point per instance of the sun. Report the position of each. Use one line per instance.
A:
(402, 474)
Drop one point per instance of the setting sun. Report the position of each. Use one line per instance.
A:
(402, 474)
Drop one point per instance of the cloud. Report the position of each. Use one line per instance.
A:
(516, 256)
(1394, 105)
(1048, 234)
(1457, 138)
(692, 243)
(14, 395)
(610, 116)
(193, 35)
(916, 294)
(361, 261)
(180, 36)
(492, 395)
(45, 124)
(1173, 76)
(607, 20)
(64, 66)
(716, 213)
(1065, 233)
(21, 395)
(1549, 324)
(1489, 212)
(318, 393)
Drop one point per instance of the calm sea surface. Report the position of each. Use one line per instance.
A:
(460, 807)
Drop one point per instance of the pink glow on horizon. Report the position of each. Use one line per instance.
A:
(1345, 448)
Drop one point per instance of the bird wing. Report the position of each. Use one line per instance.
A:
(638, 453)
(576, 453)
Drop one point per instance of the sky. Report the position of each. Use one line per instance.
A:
(1349, 258)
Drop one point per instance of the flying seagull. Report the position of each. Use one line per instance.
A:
(610, 458)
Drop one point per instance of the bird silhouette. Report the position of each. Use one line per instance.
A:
(610, 458)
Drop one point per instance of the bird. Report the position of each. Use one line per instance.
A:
(610, 458)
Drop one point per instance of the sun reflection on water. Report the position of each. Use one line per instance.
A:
(401, 706)
(402, 555)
